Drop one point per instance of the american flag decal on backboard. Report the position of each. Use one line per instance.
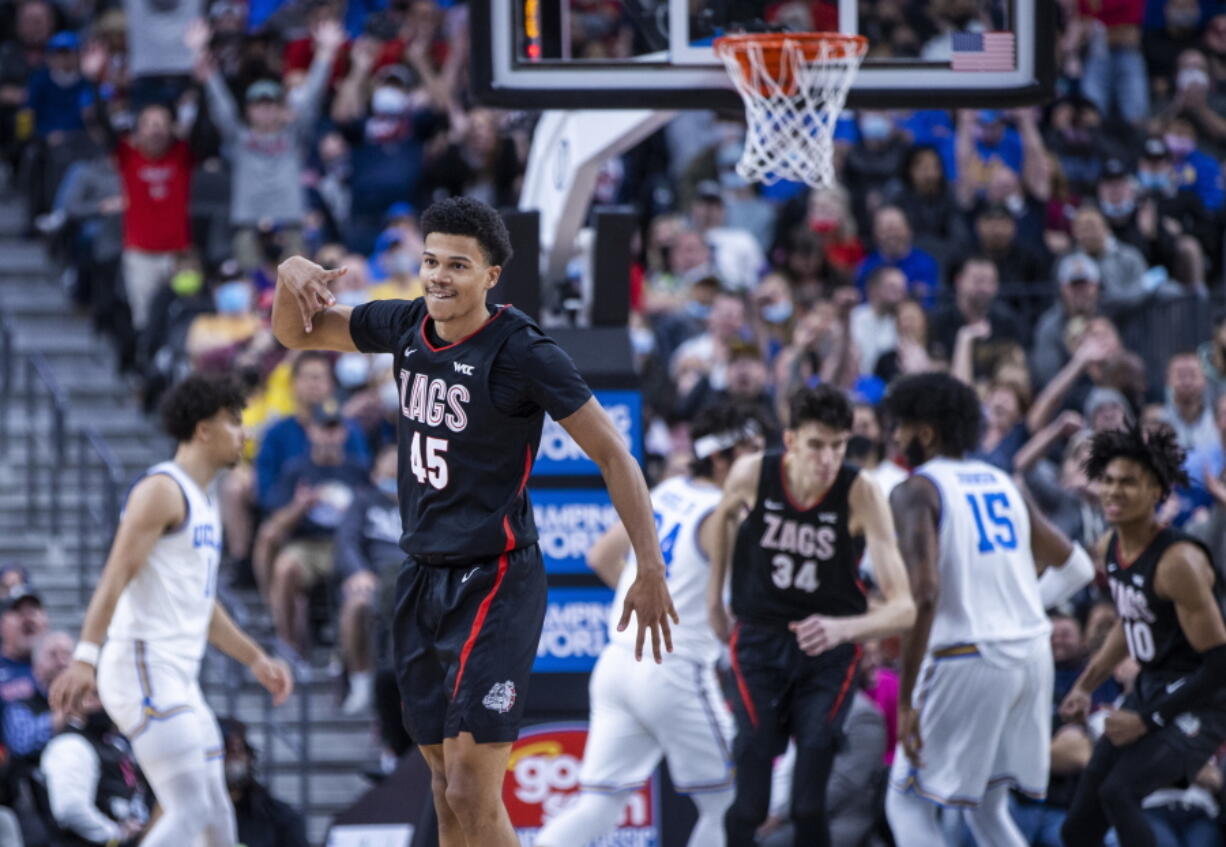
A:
(983, 51)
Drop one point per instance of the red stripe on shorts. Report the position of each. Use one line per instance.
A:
(484, 609)
(741, 685)
(851, 674)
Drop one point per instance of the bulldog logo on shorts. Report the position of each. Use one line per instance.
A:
(501, 697)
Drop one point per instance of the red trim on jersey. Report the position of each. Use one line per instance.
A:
(742, 686)
(783, 476)
(484, 609)
(426, 338)
(1119, 553)
(523, 483)
(847, 680)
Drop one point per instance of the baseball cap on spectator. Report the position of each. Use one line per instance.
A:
(326, 414)
(264, 89)
(1099, 397)
(401, 74)
(63, 41)
(1114, 169)
(709, 189)
(21, 595)
(1155, 148)
(1078, 267)
(397, 211)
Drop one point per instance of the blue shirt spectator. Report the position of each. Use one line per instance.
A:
(894, 247)
(57, 93)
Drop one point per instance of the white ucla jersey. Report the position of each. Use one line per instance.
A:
(989, 591)
(169, 603)
(680, 505)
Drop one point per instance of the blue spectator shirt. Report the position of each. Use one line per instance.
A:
(24, 731)
(918, 267)
(56, 108)
(1201, 173)
(286, 440)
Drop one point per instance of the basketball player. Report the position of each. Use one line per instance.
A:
(156, 606)
(1169, 601)
(475, 383)
(975, 688)
(799, 605)
(641, 712)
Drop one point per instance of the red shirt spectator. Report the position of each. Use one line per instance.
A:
(1113, 12)
(157, 192)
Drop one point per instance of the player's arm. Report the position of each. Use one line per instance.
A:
(1076, 705)
(1064, 567)
(1185, 577)
(273, 674)
(304, 312)
(740, 492)
(607, 557)
(154, 507)
(916, 506)
(870, 514)
(647, 598)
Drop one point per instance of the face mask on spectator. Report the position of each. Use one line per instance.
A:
(777, 313)
(388, 486)
(238, 773)
(233, 298)
(1179, 145)
(1191, 78)
(1183, 18)
(876, 127)
(187, 283)
(352, 297)
(352, 370)
(389, 100)
(1154, 180)
(697, 310)
(389, 396)
(1118, 210)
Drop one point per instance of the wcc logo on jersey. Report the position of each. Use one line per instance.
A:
(432, 401)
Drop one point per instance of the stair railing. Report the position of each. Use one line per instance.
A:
(97, 508)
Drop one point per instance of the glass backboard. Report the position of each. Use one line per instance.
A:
(572, 54)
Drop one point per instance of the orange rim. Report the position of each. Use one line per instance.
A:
(814, 45)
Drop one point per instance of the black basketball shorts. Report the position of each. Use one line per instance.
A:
(463, 641)
(783, 693)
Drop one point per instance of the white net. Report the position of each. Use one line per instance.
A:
(793, 93)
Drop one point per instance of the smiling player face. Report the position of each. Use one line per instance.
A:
(456, 276)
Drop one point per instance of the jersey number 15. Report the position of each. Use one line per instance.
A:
(995, 505)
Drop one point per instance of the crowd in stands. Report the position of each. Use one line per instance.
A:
(1065, 260)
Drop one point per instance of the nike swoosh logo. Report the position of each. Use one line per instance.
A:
(468, 575)
(774, 505)
(1176, 685)
(409, 351)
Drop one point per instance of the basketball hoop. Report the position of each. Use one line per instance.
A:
(794, 86)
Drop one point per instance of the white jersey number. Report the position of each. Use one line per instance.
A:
(785, 575)
(1140, 640)
(432, 466)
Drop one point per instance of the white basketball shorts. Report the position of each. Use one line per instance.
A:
(642, 711)
(985, 720)
(157, 703)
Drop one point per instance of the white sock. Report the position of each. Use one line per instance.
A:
(913, 820)
(991, 823)
(709, 828)
(584, 820)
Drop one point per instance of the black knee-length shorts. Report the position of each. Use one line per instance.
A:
(463, 642)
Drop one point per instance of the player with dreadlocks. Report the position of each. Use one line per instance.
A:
(1170, 621)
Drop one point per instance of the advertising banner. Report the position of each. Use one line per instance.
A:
(561, 456)
(576, 630)
(569, 521)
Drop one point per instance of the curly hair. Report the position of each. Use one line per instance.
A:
(197, 398)
(823, 404)
(466, 216)
(948, 405)
(1157, 449)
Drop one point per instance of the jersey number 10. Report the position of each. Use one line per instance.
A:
(994, 504)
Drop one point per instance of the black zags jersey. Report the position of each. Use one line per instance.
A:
(1151, 625)
(790, 563)
(464, 463)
